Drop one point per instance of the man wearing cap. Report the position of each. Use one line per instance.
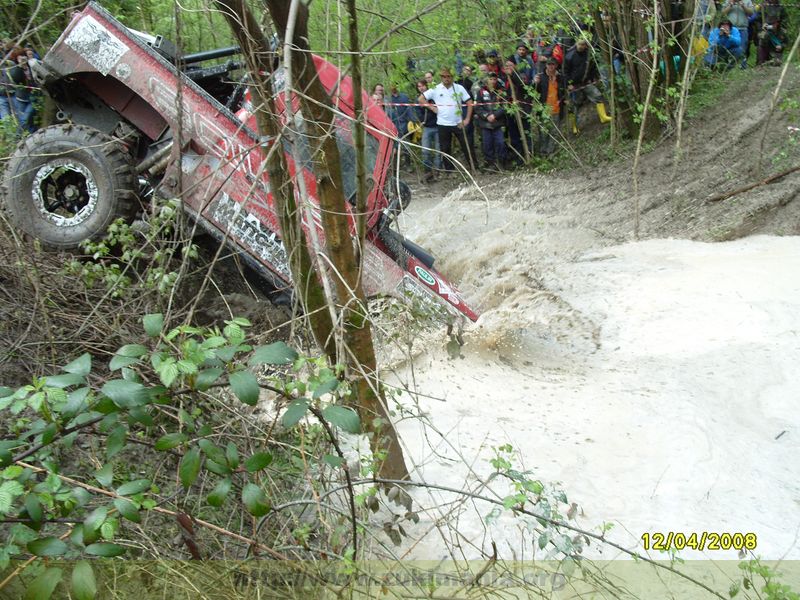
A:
(738, 13)
(524, 62)
(724, 45)
(448, 97)
(491, 116)
(552, 91)
(493, 61)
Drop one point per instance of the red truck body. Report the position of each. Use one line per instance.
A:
(218, 172)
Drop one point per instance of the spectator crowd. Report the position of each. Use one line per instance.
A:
(515, 106)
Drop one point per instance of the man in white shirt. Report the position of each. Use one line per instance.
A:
(449, 97)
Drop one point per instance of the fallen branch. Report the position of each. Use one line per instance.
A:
(747, 188)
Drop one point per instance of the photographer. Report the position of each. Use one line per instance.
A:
(770, 36)
(738, 12)
(724, 46)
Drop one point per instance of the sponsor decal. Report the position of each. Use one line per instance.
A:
(248, 230)
(95, 44)
(425, 276)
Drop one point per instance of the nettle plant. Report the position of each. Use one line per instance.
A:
(83, 452)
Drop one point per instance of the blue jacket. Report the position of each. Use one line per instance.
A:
(400, 115)
(730, 42)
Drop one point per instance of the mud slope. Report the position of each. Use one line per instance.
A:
(652, 379)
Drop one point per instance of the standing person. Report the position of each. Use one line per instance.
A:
(398, 109)
(24, 94)
(448, 97)
(738, 12)
(704, 13)
(518, 121)
(490, 114)
(551, 88)
(524, 61)
(430, 134)
(580, 71)
(469, 131)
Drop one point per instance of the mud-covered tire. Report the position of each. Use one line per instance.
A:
(68, 183)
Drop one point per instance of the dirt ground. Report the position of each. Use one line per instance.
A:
(651, 380)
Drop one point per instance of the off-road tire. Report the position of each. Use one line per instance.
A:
(91, 170)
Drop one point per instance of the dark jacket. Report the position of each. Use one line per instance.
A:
(23, 83)
(426, 116)
(541, 92)
(579, 68)
(490, 102)
(399, 111)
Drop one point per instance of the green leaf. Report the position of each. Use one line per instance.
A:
(171, 440)
(543, 539)
(84, 585)
(76, 402)
(34, 508)
(219, 493)
(115, 441)
(128, 510)
(273, 354)
(153, 324)
(5, 391)
(334, 461)
(294, 413)
(95, 519)
(258, 461)
(120, 362)
(343, 417)
(44, 585)
(140, 414)
(80, 366)
(132, 350)
(168, 372)
(105, 476)
(326, 387)
(63, 381)
(217, 468)
(105, 549)
(47, 546)
(8, 494)
(254, 500)
(189, 468)
(232, 455)
(245, 386)
(126, 394)
(212, 451)
(206, 378)
(133, 487)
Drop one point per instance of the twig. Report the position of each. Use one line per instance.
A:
(318, 413)
(589, 534)
(768, 180)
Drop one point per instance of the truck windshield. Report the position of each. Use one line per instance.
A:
(347, 152)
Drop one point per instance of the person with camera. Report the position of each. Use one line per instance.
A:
(724, 46)
(771, 15)
(738, 12)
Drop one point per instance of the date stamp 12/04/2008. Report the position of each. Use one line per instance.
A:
(705, 540)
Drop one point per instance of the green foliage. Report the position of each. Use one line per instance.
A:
(151, 389)
(129, 260)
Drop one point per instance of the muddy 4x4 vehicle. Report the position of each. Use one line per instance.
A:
(118, 93)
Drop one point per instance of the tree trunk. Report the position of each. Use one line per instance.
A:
(256, 51)
(358, 346)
